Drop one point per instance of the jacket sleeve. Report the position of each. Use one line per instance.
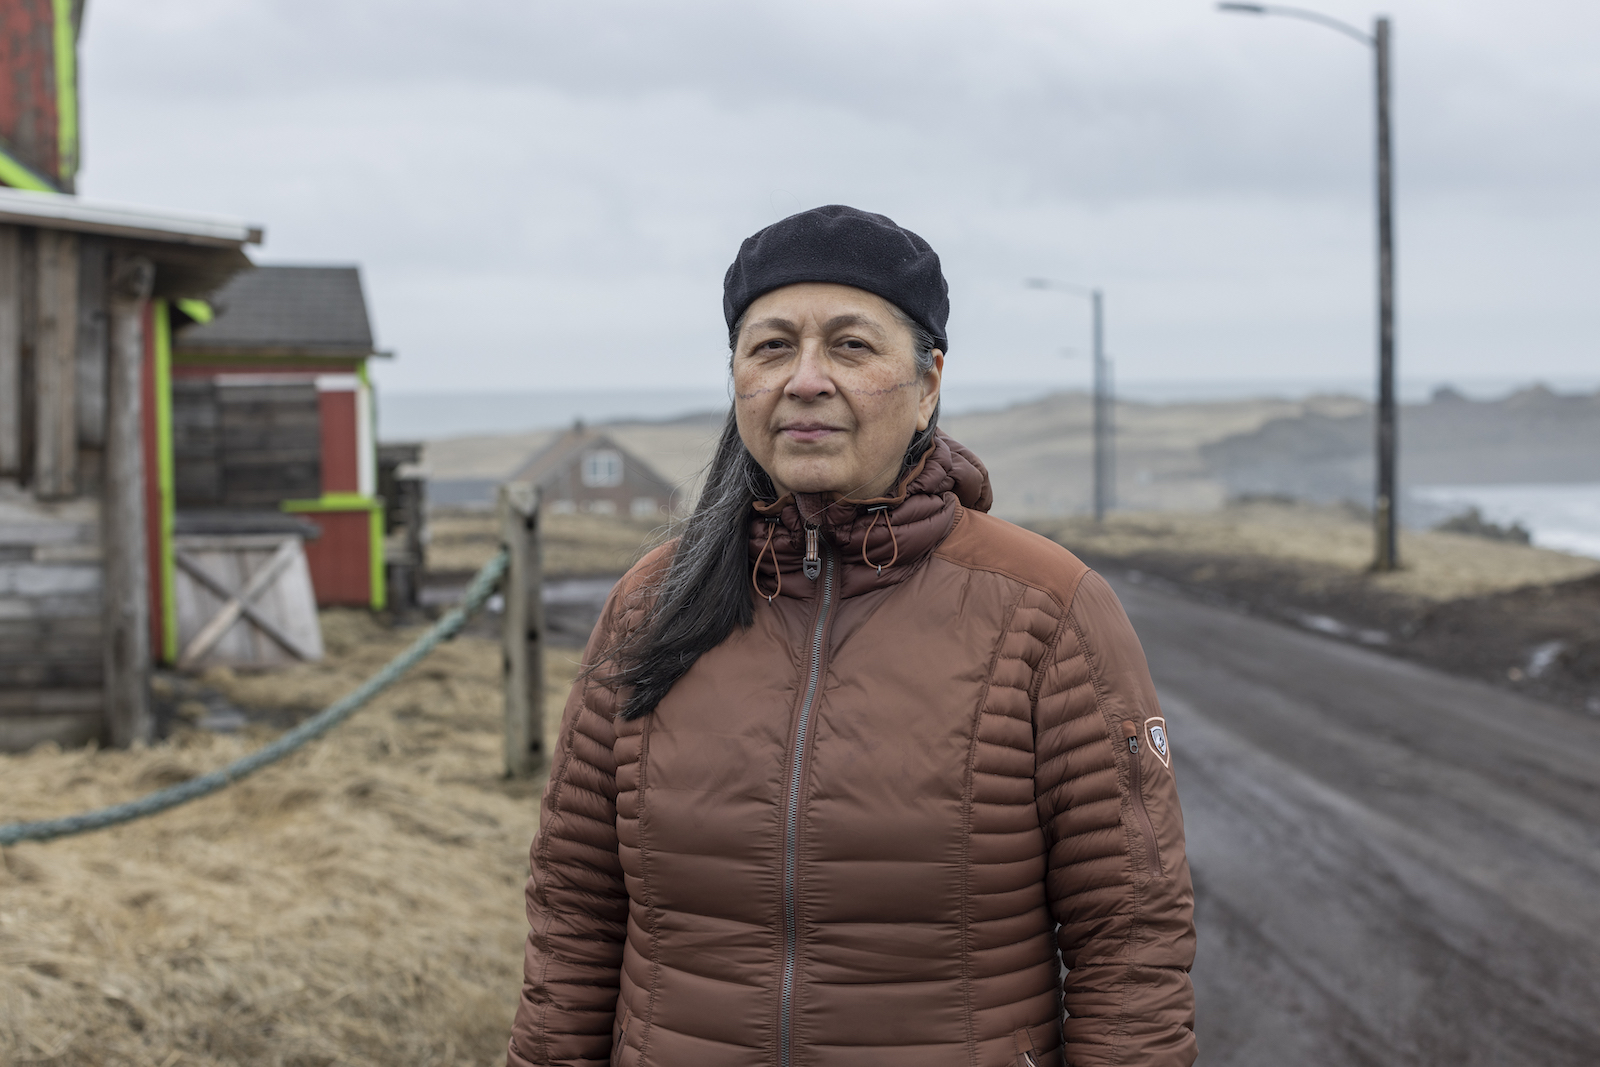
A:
(1118, 881)
(577, 903)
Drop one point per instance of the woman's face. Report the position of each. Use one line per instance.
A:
(826, 390)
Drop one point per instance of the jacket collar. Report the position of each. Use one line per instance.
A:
(876, 542)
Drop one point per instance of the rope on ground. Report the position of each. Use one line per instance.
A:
(483, 583)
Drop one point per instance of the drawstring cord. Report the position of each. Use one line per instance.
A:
(772, 524)
(813, 561)
(875, 511)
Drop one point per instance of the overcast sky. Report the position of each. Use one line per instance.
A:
(546, 196)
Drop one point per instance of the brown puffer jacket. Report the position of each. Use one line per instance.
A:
(857, 833)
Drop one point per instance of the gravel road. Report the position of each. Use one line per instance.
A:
(1392, 865)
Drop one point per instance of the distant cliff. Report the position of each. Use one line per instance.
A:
(1530, 436)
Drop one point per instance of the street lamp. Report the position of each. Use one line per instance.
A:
(1387, 557)
(1104, 473)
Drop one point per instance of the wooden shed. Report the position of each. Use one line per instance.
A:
(272, 411)
(587, 470)
(87, 296)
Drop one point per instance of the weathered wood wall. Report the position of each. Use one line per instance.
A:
(51, 671)
(54, 403)
(245, 441)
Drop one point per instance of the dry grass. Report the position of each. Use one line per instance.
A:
(359, 903)
(574, 545)
(1437, 566)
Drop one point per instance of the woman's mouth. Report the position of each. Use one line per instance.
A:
(807, 431)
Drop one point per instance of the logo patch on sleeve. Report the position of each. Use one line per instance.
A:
(1155, 729)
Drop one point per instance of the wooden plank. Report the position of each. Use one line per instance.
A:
(10, 354)
(94, 265)
(27, 342)
(50, 702)
(127, 581)
(40, 609)
(55, 475)
(31, 579)
(522, 631)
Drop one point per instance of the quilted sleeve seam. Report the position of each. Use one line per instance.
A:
(1120, 1027)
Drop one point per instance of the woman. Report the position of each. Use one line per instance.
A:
(853, 760)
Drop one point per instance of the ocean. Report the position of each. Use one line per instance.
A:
(1562, 517)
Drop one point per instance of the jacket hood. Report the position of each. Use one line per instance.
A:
(877, 541)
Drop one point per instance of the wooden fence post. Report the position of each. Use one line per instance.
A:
(126, 589)
(522, 630)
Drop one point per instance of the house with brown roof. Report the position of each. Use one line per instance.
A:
(586, 470)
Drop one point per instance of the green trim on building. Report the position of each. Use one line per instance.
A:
(333, 502)
(66, 57)
(166, 480)
(19, 175)
(379, 586)
(377, 583)
(380, 573)
(198, 310)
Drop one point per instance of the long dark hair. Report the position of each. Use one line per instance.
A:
(705, 591)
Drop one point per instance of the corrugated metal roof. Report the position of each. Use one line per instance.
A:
(287, 311)
(24, 208)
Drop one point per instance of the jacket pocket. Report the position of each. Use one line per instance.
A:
(624, 1017)
(1147, 829)
(1022, 1044)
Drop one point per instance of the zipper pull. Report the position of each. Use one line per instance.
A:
(812, 564)
(1133, 745)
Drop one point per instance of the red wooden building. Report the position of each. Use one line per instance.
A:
(273, 413)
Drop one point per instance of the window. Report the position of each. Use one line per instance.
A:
(643, 507)
(602, 469)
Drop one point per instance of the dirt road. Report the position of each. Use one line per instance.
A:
(1392, 866)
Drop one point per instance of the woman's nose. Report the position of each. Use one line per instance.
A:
(810, 380)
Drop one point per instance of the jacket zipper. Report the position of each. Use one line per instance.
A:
(1136, 787)
(791, 827)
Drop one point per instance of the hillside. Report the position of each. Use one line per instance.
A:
(1177, 456)
(1533, 435)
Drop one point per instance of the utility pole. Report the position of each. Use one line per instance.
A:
(1104, 472)
(1386, 556)
(1103, 430)
(1385, 514)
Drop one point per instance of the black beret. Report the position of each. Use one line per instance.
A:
(848, 246)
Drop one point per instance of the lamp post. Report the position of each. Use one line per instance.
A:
(1387, 557)
(1104, 471)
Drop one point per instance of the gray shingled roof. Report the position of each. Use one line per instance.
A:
(291, 311)
(571, 446)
